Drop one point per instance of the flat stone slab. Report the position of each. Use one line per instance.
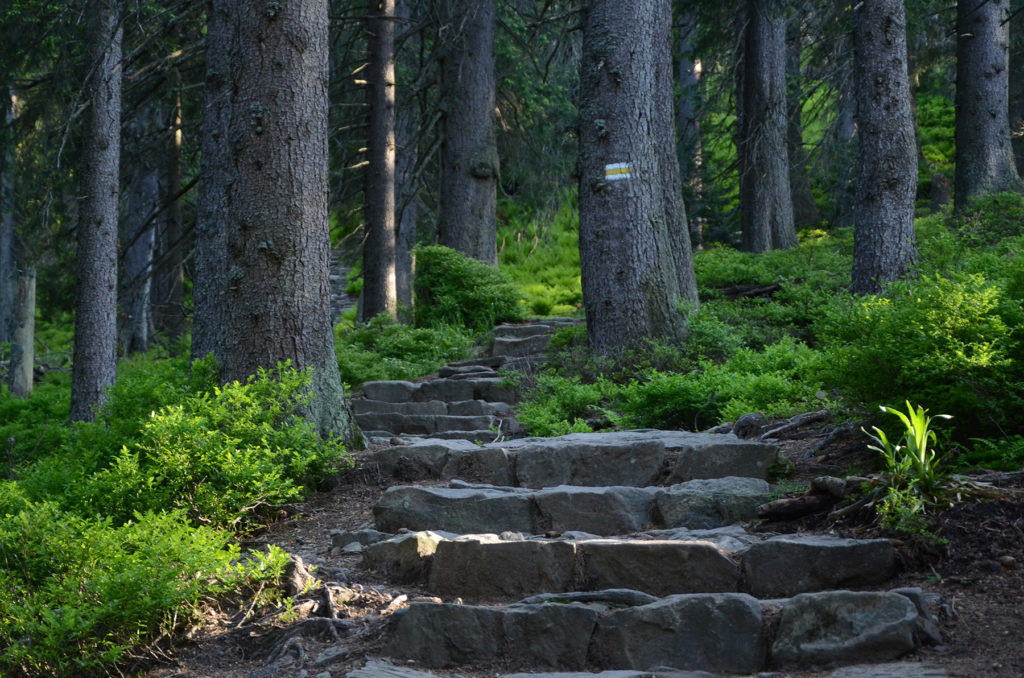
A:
(839, 627)
(704, 632)
(460, 510)
(516, 347)
(443, 635)
(405, 558)
(604, 511)
(361, 406)
(423, 424)
(390, 391)
(791, 564)
(591, 463)
(710, 503)
(522, 331)
(492, 569)
(889, 670)
(612, 458)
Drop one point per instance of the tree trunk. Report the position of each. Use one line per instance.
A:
(805, 210)
(263, 249)
(984, 156)
(883, 248)
(407, 186)
(766, 208)
(630, 283)
(469, 151)
(23, 333)
(1016, 91)
(688, 141)
(8, 271)
(844, 132)
(380, 294)
(167, 299)
(95, 344)
(141, 204)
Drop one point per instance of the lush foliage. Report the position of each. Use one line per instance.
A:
(113, 534)
(382, 349)
(450, 288)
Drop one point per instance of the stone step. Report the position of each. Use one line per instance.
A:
(493, 567)
(492, 389)
(518, 347)
(719, 632)
(380, 668)
(424, 424)
(634, 458)
(461, 408)
(603, 511)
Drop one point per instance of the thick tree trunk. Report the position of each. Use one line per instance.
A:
(23, 333)
(805, 210)
(380, 294)
(95, 349)
(265, 271)
(167, 299)
(766, 208)
(8, 271)
(884, 247)
(984, 156)
(630, 283)
(469, 151)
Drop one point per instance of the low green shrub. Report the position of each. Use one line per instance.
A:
(991, 218)
(559, 405)
(382, 349)
(999, 454)
(450, 288)
(76, 594)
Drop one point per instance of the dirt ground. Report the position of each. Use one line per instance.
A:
(975, 571)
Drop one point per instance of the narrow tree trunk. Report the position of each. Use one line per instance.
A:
(95, 349)
(688, 140)
(23, 333)
(141, 203)
(1016, 91)
(844, 131)
(805, 210)
(469, 151)
(8, 271)
(263, 255)
(984, 157)
(407, 186)
(766, 207)
(630, 283)
(883, 247)
(380, 294)
(167, 300)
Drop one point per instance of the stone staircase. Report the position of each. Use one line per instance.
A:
(623, 552)
(619, 554)
(467, 400)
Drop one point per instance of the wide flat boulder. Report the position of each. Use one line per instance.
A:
(710, 503)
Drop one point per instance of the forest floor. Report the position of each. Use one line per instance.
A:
(975, 567)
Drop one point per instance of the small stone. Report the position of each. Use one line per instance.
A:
(1007, 562)
(330, 654)
(354, 547)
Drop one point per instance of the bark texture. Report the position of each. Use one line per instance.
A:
(406, 182)
(984, 155)
(805, 210)
(167, 298)
(95, 343)
(469, 151)
(884, 247)
(629, 265)
(142, 202)
(380, 293)
(8, 270)
(766, 208)
(263, 253)
(23, 332)
(688, 140)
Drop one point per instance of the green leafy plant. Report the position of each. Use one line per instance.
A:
(453, 289)
(915, 477)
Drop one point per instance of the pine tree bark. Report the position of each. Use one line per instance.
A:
(630, 282)
(883, 248)
(766, 208)
(8, 270)
(94, 358)
(406, 184)
(167, 298)
(380, 293)
(688, 140)
(263, 249)
(23, 332)
(469, 151)
(984, 155)
(805, 210)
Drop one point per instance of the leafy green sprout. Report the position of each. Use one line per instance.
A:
(912, 462)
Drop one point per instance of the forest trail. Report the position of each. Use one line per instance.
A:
(461, 551)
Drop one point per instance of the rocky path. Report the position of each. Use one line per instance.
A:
(616, 553)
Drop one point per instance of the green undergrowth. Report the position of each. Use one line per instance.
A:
(117, 534)
(778, 333)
